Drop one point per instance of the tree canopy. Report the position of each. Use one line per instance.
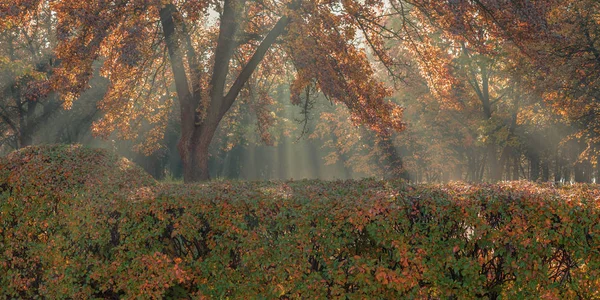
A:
(471, 90)
(208, 50)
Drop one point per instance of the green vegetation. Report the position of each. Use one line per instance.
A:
(80, 223)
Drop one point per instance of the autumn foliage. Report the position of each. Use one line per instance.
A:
(67, 171)
(202, 56)
(303, 239)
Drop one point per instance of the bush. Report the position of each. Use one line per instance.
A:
(306, 239)
(70, 170)
(50, 199)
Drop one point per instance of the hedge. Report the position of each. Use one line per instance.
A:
(282, 240)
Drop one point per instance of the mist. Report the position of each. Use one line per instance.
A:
(425, 98)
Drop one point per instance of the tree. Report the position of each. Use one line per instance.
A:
(558, 40)
(26, 62)
(213, 48)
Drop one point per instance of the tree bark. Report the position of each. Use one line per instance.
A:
(195, 155)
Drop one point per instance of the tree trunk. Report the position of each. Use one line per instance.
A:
(504, 163)
(394, 167)
(495, 172)
(516, 166)
(534, 159)
(25, 138)
(579, 172)
(597, 175)
(545, 170)
(26, 120)
(193, 148)
(557, 166)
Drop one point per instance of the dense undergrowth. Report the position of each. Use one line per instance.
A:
(82, 223)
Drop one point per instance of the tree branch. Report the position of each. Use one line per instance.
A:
(181, 81)
(224, 51)
(254, 61)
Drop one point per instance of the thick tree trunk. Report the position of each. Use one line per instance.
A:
(195, 163)
(193, 148)
(198, 170)
(25, 138)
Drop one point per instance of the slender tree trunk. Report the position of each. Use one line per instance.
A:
(534, 160)
(504, 162)
(482, 89)
(557, 166)
(545, 170)
(234, 162)
(597, 175)
(516, 166)
(482, 167)
(495, 172)
(578, 169)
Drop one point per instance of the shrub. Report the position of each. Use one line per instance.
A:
(70, 170)
(363, 239)
(50, 235)
(307, 239)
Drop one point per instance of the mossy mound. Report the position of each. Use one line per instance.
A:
(66, 170)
